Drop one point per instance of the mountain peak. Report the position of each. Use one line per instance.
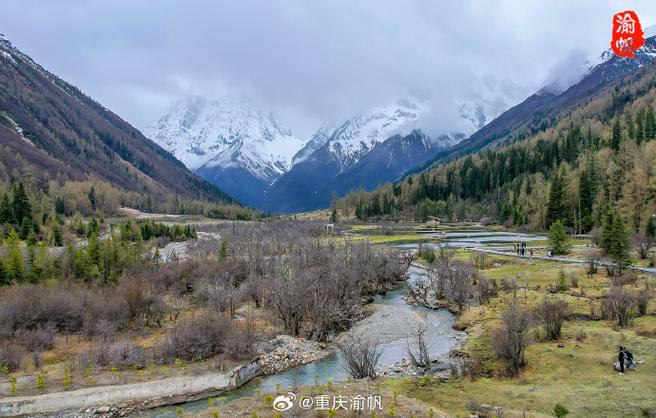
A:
(230, 131)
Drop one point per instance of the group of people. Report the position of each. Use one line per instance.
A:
(520, 249)
(625, 359)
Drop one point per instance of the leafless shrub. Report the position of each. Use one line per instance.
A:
(592, 257)
(509, 284)
(573, 279)
(120, 354)
(642, 245)
(478, 259)
(41, 338)
(619, 304)
(470, 368)
(581, 335)
(194, 338)
(449, 280)
(512, 337)
(11, 356)
(551, 315)
(361, 356)
(420, 290)
(484, 290)
(420, 358)
(240, 341)
(316, 289)
(642, 298)
(65, 307)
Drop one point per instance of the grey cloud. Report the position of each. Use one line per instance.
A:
(308, 60)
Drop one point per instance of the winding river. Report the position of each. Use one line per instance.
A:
(393, 324)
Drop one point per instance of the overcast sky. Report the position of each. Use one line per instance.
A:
(307, 60)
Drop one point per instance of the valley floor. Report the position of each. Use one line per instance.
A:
(575, 371)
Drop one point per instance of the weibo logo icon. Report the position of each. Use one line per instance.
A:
(284, 402)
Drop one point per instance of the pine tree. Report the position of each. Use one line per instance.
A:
(558, 238)
(630, 126)
(57, 238)
(556, 206)
(650, 123)
(25, 228)
(21, 205)
(640, 127)
(92, 197)
(619, 249)
(333, 215)
(6, 211)
(4, 279)
(617, 135)
(60, 206)
(650, 229)
(587, 193)
(223, 251)
(13, 267)
(606, 238)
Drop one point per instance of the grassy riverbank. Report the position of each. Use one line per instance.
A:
(575, 371)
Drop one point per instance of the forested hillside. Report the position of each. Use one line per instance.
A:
(52, 134)
(597, 157)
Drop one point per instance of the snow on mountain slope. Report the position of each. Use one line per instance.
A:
(486, 99)
(609, 64)
(317, 141)
(357, 136)
(226, 133)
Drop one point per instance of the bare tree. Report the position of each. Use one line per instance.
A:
(420, 290)
(484, 290)
(642, 245)
(551, 315)
(620, 304)
(592, 258)
(642, 298)
(459, 284)
(420, 358)
(361, 356)
(512, 337)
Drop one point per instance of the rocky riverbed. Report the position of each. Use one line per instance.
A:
(285, 351)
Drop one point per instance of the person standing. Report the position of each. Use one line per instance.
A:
(621, 357)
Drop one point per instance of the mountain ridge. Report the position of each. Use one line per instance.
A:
(52, 130)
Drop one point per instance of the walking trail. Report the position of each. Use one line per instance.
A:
(559, 259)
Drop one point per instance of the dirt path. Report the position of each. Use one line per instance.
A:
(560, 259)
(156, 393)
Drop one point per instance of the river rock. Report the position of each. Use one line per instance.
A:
(285, 351)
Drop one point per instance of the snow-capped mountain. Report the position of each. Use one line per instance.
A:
(229, 142)
(225, 134)
(317, 140)
(232, 144)
(358, 135)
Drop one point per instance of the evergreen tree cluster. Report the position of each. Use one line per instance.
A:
(16, 212)
(574, 170)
